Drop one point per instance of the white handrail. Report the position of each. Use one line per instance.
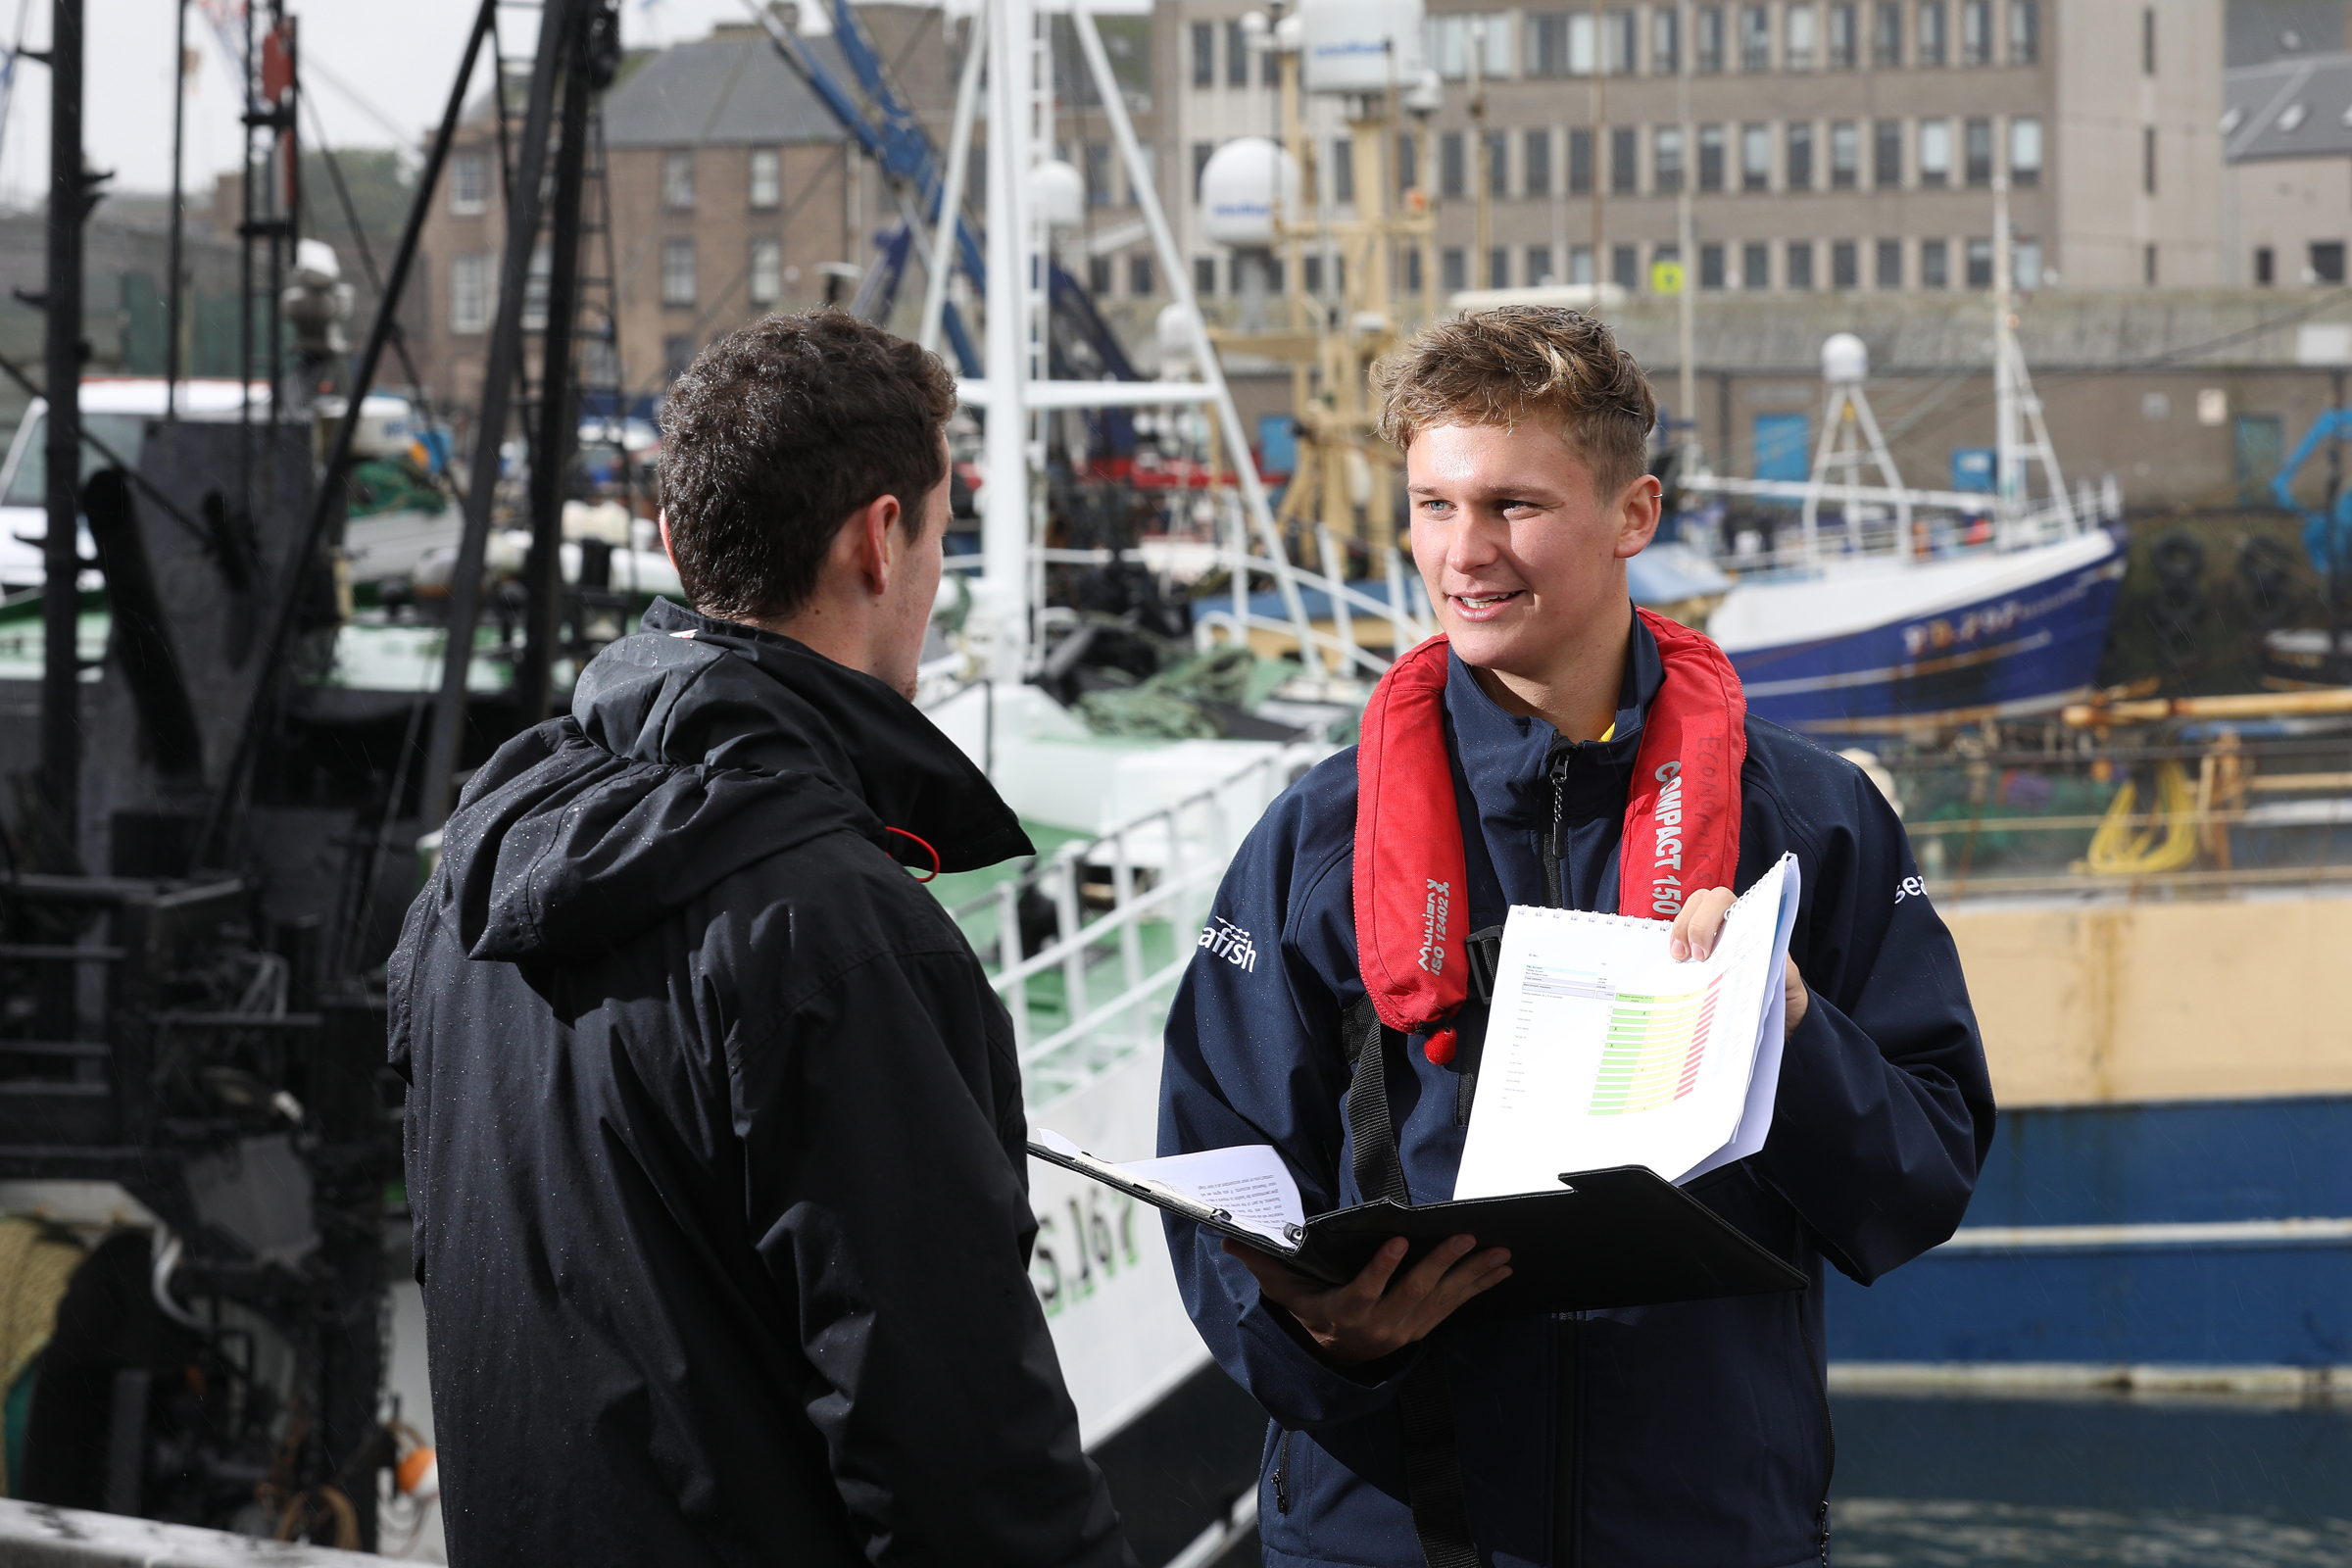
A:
(1200, 835)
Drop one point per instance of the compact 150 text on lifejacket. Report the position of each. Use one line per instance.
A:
(1682, 823)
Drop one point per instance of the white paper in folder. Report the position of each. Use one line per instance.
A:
(1602, 1050)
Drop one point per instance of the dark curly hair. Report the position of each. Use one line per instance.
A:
(774, 435)
(1519, 361)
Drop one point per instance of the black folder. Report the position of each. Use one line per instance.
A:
(1621, 1236)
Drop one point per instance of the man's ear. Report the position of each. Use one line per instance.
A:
(870, 537)
(1641, 507)
(662, 518)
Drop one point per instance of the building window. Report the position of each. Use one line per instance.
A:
(1934, 152)
(1446, 44)
(468, 183)
(1453, 268)
(1979, 150)
(677, 355)
(2265, 266)
(2148, 160)
(1755, 267)
(1098, 275)
(1842, 29)
(1706, 44)
(2147, 42)
(534, 288)
(2025, 152)
(677, 271)
(1310, 274)
(1499, 163)
(1755, 38)
(1886, 154)
(1547, 43)
(1205, 277)
(1798, 52)
(1976, 32)
(1204, 54)
(1801, 263)
(1236, 54)
(1845, 155)
(1891, 263)
(1980, 264)
(1932, 41)
(2148, 266)
(1499, 267)
(1452, 179)
(765, 279)
(2328, 260)
(469, 294)
(1935, 263)
(1710, 267)
(1845, 265)
(1203, 151)
(1625, 267)
(1800, 155)
(1887, 34)
(1098, 173)
(1140, 280)
(1755, 158)
(1666, 173)
(1665, 42)
(1580, 163)
(2024, 263)
(1539, 265)
(1579, 263)
(1412, 268)
(1408, 162)
(2024, 31)
(1535, 160)
(677, 181)
(1625, 160)
(1710, 158)
(768, 179)
(1625, 52)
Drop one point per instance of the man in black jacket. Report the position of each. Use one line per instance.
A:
(714, 1139)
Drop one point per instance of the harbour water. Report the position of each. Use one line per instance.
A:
(2177, 1482)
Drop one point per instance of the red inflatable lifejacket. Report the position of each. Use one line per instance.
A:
(1682, 823)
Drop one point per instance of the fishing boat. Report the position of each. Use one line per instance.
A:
(1882, 607)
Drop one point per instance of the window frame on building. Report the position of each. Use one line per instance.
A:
(1886, 271)
(1453, 268)
(1342, 168)
(678, 281)
(470, 292)
(468, 183)
(1755, 172)
(1886, 155)
(764, 271)
(1796, 155)
(1580, 161)
(1666, 163)
(1935, 263)
(1237, 54)
(1499, 163)
(1204, 54)
(1800, 36)
(1537, 262)
(1933, 45)
(1845, 155)
(677, 179)
(1707, 40)
(1711, 273)
(1797, 265)
(1977, 261)
(1453, 165)
(2027, 155)
(1711, 160)
(1143, 281)
(1887, 34)
(2025, 32)
(1936, 153)
(1840, 35)
(1755, 265)
(1755, 37)
(1625, 161)
(1976, 33)
(1665, 41)
(1534, 162)
(1845, 264)
(1976, 150)
(763, 179)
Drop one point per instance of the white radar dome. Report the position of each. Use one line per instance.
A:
(1057, 192)
(1245, 185)
(1359, 46)
(1174, 332)
(1844, 360)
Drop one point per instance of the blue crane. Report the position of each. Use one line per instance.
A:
(2326, 533)
(876, 117)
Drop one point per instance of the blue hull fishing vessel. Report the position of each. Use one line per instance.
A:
(1885, 644)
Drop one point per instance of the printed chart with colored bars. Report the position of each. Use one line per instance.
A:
(1655, 1046)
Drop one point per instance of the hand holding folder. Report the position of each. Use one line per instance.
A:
(1600, 1050)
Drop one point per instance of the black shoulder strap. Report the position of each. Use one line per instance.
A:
(1433, 1469)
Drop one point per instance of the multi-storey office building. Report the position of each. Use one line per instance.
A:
(1832, 144)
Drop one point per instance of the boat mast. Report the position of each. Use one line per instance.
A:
(2020, 436)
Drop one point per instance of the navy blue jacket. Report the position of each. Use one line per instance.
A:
(1695, 1434)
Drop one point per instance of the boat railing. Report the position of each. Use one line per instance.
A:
(1124, 911)
(2201, 808)
(1404, 610)
(1860, 522)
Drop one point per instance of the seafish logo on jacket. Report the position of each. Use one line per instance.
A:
(1433, 925)
(1666, 888)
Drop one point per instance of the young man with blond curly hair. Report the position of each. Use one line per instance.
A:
(1601, 759)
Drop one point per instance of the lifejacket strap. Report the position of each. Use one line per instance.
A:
(1371, 1046)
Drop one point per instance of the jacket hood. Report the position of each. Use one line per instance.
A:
(694, 748)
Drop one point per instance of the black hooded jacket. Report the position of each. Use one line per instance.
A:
(714, 1140)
